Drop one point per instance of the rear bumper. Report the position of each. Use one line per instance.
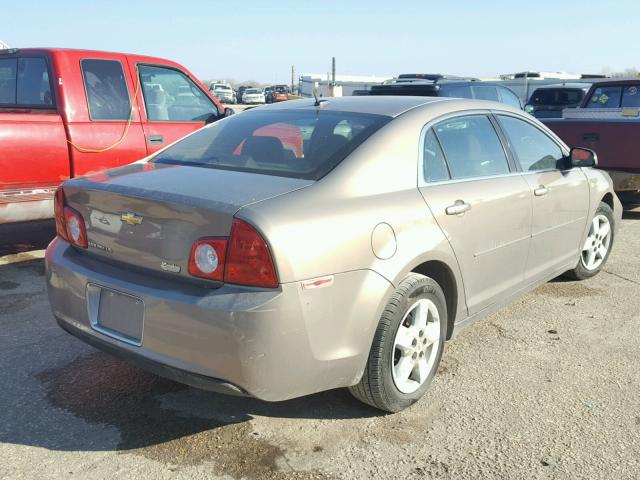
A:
(270, 344)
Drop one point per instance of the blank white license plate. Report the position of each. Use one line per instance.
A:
(118, 314)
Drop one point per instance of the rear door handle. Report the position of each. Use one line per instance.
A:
(541, 191)
(155, 139)
(458, 208)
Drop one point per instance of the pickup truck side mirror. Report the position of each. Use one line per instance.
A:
(228, 112)
(583, 157)
(528, 108)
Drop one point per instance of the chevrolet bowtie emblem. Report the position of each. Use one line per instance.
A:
(131, 218)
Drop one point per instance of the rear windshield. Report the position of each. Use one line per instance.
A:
(305, 144)
(557, 96)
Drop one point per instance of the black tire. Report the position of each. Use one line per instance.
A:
(581, 272)
(377, 387)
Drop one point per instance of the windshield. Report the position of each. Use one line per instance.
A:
(305, 144)
(252, 90)
(557, 96)
(222, 87)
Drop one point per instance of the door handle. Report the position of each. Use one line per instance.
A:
(458, 208)
(155, 139)
(541, 191)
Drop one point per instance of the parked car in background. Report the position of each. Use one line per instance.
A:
(65, 113)
(608, 121)
(280, 93)
(550, 100)
(240, 92)
(231, 262)
(268, 94)
(459, 89)
(223, 92)
(253, 95)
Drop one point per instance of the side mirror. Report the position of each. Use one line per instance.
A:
(583, 157)
(528, 108)
(228, 112)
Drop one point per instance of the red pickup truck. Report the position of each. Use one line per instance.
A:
(65, 113)
(608, 121)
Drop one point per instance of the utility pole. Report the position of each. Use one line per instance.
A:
(332, 84)
(293, 76)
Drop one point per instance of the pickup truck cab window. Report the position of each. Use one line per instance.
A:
(630, 97)
(455, 91)
(25, 82)
(605, 97)
(472, 147)
(171, 96)
(534, 150)
(434, 165)
(107, 94)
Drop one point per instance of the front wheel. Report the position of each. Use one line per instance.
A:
(407, 346)
(597, 246)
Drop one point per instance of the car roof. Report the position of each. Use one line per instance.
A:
(584, 86)
(388, 105)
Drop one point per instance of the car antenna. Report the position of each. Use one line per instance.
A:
(315, 95)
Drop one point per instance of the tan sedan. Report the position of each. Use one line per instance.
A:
(310, 245)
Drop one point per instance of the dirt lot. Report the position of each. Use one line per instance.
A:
(547, 388)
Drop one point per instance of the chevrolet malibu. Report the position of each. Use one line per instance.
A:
(310, 245)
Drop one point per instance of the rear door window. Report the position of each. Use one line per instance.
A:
(24, 81)
(472, 147)
(433, 163)
(106, 87)
(533, 148)
(510, 98)
(455, 91)
(486, 93)
(171, 96)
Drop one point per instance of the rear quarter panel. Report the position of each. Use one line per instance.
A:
(327, 228)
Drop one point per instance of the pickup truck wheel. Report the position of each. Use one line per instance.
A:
(407, 346)
(597, 246)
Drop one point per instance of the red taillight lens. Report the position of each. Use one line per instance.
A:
(249, 261)
(58, 208)
(207, 258)
(75, 228)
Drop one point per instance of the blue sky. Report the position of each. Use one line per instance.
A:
(261, 40)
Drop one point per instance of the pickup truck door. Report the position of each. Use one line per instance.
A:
(482, 205)
(103, 121)
(560, 196)
(34, 156)
(172, 104)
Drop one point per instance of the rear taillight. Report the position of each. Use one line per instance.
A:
(76, 228)
(70, 225)
(58, 208)
(243, 259)
(249, 261)
(207, 258)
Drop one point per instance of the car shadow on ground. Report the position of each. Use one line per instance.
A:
(26, 236)
(149, 411)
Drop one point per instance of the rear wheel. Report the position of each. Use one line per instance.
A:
(597, 246)
(407, 346)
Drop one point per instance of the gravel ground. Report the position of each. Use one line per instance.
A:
(545, 389)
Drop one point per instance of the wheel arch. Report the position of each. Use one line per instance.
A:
(444, 276)
(608, 199)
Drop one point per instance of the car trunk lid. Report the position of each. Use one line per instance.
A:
(149, 215)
